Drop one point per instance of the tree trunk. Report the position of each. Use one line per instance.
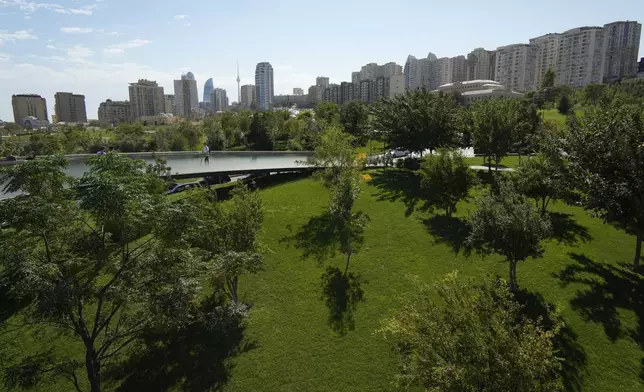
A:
(448, 211)
(93, 368)
(512, 282)
(638, 249)
(346, 268)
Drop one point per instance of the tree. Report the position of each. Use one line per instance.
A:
(606, 154)
(493, 124)
(258, 138)
(543, 179)
(354, 117)
(526, 128)
(565, 105)
(548, 79)
(594, 93)
(506, 224)
(471, 336)
(446, 179)
(84, 268)
(335, 154)
(328, 112)
(418, 121)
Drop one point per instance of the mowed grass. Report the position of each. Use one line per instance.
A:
(511, 161)
(297, 350)
(554, 115)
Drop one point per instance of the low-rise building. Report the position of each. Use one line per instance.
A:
(478, 90)
(115, 112)
(287, 101)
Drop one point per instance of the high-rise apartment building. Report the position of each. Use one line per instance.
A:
(621, 44)
(146, 99)
(481, 64)
(70, 108)
(322, 81)
(298, 91)
(580, 59)
(168, 104)
(459, 69)
(316, 94)
(442, 72)
(366, 91)
(186, 96)
(369, 71)
(515, 66)
(390, 69)
(114, 112)
(208, 88)
(332, 93)
(355, 77)
(348, 92)
(412, 73)
(264, 85)
(219, 100)
(29, 105)
(394, 85)
(546, 52)
(247, 95)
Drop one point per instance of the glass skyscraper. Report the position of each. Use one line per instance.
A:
(208, 88)
(264, 85)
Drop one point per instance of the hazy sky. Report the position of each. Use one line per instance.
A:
(95, 47)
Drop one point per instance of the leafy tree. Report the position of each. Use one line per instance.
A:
(594, 93)
(607, 157)
(216, 140)
(493, 124)
(543, 179)
(335, 154)
(84, 269)
(526, 128)
(471, 336)
(446, 179)
(354, 117)
(565, 105)
(192, 135)
(43, 144)
(548, 79)
(258, 137)
(506, 224)
(328, 112)
(417, 121)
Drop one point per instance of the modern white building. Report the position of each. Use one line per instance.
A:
(412, 72)
(515, 66)
(621, 44)
(168, 100)
(471, 85)
(395, 85)
(459, 68)
(441, 72)
(481, 64)
(581, 55)
(219, 100)
(264, 85)
(146, 99)
(546, 52)
(248, 95)
(186, 96)
(478, 90)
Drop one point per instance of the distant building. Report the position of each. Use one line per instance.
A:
(366, 91)
(480, 64)
(29, 105)
(412, 73)
(264, 85)
(355, 77)
(219, 100)
(287, 101)
(316, 94)
(248, 95)
(115, 112)
(186, 96)
(322, 81)
(622, 42)
(298, 91)
(168, 104)
(349, 92)
(581, 61)
(640, 68)
(332, 93)
(70, 108)
(478, 90)
(208, 87)
(146, 99)
(515, 66)
(458, 67)
(546, 53)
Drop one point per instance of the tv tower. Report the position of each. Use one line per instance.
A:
(238, 85)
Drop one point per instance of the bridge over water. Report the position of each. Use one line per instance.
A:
(194, 164)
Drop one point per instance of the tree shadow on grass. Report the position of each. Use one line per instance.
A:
(317, 239)
(194, 358)
(9, 303)
(449, 230)
(609, 288)
(566, 230)
(397, 185)
(341, 294)
(565, 342)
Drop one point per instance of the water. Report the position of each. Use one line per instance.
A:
(182, 163)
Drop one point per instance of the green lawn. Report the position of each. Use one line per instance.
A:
(298, 350)
(554, 115)
(509, 161)
(376, 147)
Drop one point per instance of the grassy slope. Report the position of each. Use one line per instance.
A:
(554, 115)
(297, 349)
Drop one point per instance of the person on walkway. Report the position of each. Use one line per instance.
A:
(101, 151)
(206, 150)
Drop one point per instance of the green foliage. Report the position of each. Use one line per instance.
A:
(542, 178)
(258, 137)
(418, 121)
(565, 105)
(42, 144)
(354, 118)
(446, 180)
(594, 93)
(471, 336)
(335, 154)
(548, 79)
(494, 123)
(84, 269)
(607, 156)
(506, 224)
(327, 112)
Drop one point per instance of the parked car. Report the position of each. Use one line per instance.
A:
(398, 153)
(215, 180)
(176, 188)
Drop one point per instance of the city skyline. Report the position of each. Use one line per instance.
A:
(78, 46)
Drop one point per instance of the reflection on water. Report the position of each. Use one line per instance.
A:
(186, 163)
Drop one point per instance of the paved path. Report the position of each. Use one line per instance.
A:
(478, 167)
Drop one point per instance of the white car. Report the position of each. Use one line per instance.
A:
(398, 153)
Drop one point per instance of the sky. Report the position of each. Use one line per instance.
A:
(97, 47)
